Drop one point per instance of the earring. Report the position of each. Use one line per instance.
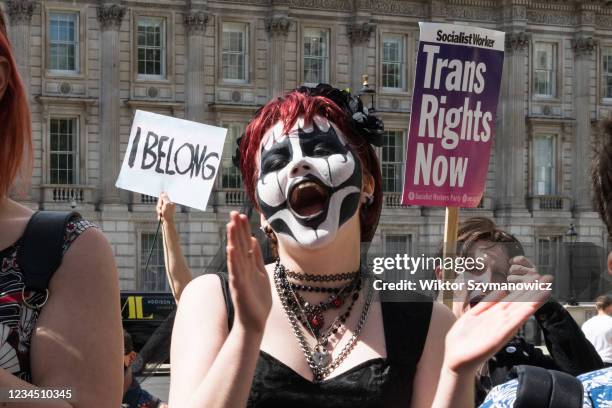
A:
(369, 200)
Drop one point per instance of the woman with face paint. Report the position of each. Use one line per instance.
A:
(68, 338)
(308, 330)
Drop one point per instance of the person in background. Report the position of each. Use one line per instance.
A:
(133, 394)
(598, 329)
(177, 270)
(504, 261)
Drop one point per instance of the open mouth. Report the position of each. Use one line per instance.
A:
(308, 198)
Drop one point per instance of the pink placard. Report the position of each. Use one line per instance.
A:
(452, 123)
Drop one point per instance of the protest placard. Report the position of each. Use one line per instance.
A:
(452, 122)
(172, 155)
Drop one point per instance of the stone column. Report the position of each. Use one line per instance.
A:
(278, 28)
(110, 17)
(20, 16)
(437, 11)
(584, 50)
(195, 79)
(511, 137)
(359, 34)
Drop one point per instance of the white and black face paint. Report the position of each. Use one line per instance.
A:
(309, 181)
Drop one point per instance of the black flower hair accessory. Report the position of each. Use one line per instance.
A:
(364, 123)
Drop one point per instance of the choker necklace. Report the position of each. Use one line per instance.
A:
(319, 358)
(321, 278)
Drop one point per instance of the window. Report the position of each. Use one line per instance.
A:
(151, 47)
(392, 163)
(544, 165)
(234, 55)
(545, 69)
(316, 56)
(606, 59)
(397, 244)
(393, 62)
(549, 249)
(63, 151)
(64, 42)
(154, 278)
(230, 174)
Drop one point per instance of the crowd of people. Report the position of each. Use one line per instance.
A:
(306, 330)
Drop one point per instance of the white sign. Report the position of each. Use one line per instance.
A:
(172, 155)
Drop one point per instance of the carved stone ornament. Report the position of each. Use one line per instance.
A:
(359, 33)
(584, 46)
(20, 11)
(110, 17)
(517, 42)
(278, 26)
(195, 22)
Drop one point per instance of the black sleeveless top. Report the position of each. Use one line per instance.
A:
(381, 382)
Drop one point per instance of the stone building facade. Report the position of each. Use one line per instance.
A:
(90, 64)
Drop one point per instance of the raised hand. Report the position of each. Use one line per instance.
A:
(165, 208)
(248, 279)
(521, 270)
(488, 326)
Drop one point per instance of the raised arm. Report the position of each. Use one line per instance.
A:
(177, 270)
(211, 368)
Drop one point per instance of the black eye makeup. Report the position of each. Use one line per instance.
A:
(321, 144)
(277, 157)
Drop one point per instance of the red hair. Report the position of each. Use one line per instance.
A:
(288, 109)
(15, 130)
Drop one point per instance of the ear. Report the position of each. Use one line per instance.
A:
(438, 272)
(367, 188)
(610, 263)
(5, 75)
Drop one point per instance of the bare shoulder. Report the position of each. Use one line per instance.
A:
(89, 259)
(441, 318)
(204, 293)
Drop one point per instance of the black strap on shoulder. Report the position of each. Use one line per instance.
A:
(406, 325)
(229, 305)
(40, 252)
(542, 388)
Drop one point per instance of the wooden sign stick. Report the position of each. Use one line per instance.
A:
(451, 224)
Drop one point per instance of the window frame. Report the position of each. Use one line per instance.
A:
(141, 259)
(606, 100)
(556, 69)
(557, 182)
(168, 19)
(228, 157)
(403, 70)
(246, 54)
(251, 81)
(75, 151)
(163, 48)
(331, 55)
(409, 241)
(80, 39)
(402, 163)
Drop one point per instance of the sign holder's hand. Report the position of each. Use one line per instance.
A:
(165, 209)
(248, 279)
